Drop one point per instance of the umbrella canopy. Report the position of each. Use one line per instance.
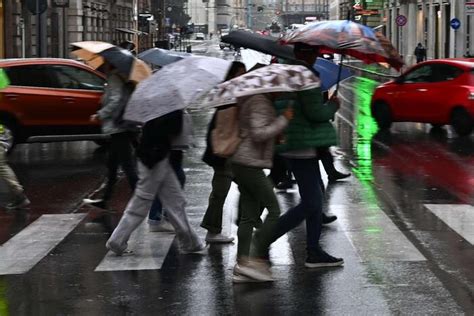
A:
(161, 57)
(95, 53)
(251, 58)
(261, 43)
(273, 78)
(328, 72)
(347, 38)
(174, 87)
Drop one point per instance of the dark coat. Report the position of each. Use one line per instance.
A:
(156, 138)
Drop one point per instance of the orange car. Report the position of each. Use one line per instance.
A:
(50, 99)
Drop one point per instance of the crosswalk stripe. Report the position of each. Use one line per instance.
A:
(22, 252)
(459, 217)
(373, 234)
(149, 252)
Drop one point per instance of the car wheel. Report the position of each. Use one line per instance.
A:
(382, 115)
(462, 121)
(9, 135)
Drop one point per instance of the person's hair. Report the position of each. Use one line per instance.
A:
(127, 45)
(302, 47)
(234, 69)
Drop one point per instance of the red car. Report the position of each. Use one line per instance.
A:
(439, 92)
(50, 99)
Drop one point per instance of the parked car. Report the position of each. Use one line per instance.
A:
(50, 100)
(439, 92)
(200, 36)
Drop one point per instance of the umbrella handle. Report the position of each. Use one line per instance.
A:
(339, 72)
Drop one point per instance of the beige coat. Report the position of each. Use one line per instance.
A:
(259, 127)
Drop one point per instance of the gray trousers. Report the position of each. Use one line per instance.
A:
(8, 176)
(160, 181)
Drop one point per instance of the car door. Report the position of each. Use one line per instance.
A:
(415, 95)
(30, 94)
(444, 92)
(80, 91)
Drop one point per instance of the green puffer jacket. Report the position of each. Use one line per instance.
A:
(310, 126)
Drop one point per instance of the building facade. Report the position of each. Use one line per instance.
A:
(408, 22)
(50, 33)
(301, 11)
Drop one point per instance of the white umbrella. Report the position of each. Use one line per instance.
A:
(273, 78)
(174, 87)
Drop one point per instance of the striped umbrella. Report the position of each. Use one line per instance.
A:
(347, 38)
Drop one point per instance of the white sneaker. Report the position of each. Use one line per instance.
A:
(218, 238)
(199, 250)
(255, 269)
(240, 278)
(160, 226)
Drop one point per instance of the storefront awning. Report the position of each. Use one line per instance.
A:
(131, 31)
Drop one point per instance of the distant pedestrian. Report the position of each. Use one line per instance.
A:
(420, 53)
(157, 178)
(16, 193)
(210, 35)
(221, 179)
(121, 152)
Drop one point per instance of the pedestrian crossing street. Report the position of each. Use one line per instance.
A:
(368, 229)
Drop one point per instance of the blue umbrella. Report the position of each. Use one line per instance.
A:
(161, 57)
(328, 72)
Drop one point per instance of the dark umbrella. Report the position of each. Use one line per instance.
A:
(161, 57)
(330, 73)
(265, 44)
(95, 53)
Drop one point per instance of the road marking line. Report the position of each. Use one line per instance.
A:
(459, 217)
(149, 252)
(374, 235)
(22, 252)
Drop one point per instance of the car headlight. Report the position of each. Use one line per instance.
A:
(471, 96)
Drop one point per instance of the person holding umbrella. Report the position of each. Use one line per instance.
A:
(123, 71)
(222, 177)
(258, 129)
(309, 130)
(116, 94)
(158, 103)
(261, 126)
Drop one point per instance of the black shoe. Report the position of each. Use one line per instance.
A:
(327, 219)
(284, 185)
(338, 176)
(322, 259)
(96, 203)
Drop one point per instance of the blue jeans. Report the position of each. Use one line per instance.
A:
(176, 162)
(308, 177)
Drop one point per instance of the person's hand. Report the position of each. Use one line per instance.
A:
(289, 113)
(94, 118)
(334, 99)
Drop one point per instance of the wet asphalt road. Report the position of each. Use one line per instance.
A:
(402, 254)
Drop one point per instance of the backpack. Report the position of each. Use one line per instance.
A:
(225, 137)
